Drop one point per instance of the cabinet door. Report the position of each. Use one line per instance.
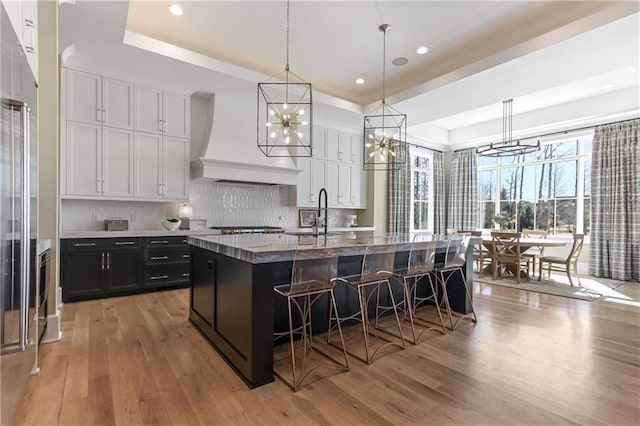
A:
(82, 274)
(175, 171)
(332, 145)
(344, 185)
(332, 184)
(344, 147)
(148, 110)
(357, 149)
(148, 166)
(117, 103)
(84, 160)
(176, 115)
(30, 33)
(124, 269)
(304, 193)
(318, 178)
(319, 142)
(117, 162)
(84, 97)
(357, 186)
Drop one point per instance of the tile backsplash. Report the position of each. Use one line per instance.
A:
(221, 204)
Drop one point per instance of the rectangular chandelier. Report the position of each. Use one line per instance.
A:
(384, 133)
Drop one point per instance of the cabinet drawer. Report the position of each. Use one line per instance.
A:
(164, 275)
(165, 241)
(77, 244)
(155, 256)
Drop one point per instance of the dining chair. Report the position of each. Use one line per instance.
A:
(481, 256)
(377, 270)
(534, 253)
(454, 264)
(507, 252)
(313, 276)
(564, 264)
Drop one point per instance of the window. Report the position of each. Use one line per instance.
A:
(549, 189)
(422, 194)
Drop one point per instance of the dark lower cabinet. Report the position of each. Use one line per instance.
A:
(105, 267)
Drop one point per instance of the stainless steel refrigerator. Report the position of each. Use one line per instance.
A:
(18, 220)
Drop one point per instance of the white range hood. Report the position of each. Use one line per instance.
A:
(224, 144)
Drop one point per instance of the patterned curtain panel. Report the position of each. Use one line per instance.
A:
(463, 191)
(399, 194)
(615, 202)
(438, 194)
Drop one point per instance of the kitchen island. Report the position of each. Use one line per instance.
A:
(231, 295)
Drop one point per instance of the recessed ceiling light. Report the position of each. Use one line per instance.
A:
(422, 50)
(360, 81)
(175, 10)
(400, 61)
(607, 86)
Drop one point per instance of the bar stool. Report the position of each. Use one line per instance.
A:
(418, 278)
(455, 263)
(376, 272)
(313, 275)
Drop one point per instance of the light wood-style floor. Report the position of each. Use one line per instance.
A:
(531, 359)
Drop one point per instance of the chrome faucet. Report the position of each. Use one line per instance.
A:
(326, 220)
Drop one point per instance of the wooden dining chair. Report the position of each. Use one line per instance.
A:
(562, 264)
(534, 253)
(507, 251)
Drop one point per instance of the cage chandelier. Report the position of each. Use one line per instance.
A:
(285, 113)
(385, 128)
(508, 147)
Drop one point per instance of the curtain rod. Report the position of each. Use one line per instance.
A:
(561, 132)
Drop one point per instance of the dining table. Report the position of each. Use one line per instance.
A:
(526, 243)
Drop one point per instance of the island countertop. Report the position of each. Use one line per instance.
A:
(268, 248)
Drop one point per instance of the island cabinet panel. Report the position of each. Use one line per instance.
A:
(203, 285)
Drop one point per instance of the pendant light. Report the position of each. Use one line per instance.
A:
(508, 147)
(285, 113)
(385, 129)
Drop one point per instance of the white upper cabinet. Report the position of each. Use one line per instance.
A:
(148, 116)
(344, 147)
(123, 141)
(117, 103)
(357, 149)
(84, 97)
(176, 115)
(319, 142)
(162, 112)
(332, 145)
(97, 100)
(23, 15)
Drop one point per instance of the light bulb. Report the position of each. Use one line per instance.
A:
(272, 112)
(268, 124)
(369, 145)
(301, 112)
(299, 134)
(273, 134)
(286, 140)
(304, 123)
(370, 136)
(285, 131)
(372, 154)
(285, 106)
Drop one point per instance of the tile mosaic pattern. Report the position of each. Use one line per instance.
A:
(221, 204)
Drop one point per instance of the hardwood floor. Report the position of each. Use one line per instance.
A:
(531, 359)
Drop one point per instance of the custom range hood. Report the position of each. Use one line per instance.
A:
(223, 144)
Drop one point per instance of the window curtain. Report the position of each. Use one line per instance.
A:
(615, 202)
(399, 193)
(438, 193)
(463, 191)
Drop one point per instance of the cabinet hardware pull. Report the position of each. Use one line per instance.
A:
(84, 245)
(186, 256)
(159, 277)
(30, 49)
(160, 125)
(124, 243)
(186, 275)
(29, 22)
(159, 257)
(98, 187)
(98, 115)
(102, 262)
(159, 242)
(108, 261)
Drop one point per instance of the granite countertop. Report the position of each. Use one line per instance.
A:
(331, 229)
(136, 233)
(266, 248)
